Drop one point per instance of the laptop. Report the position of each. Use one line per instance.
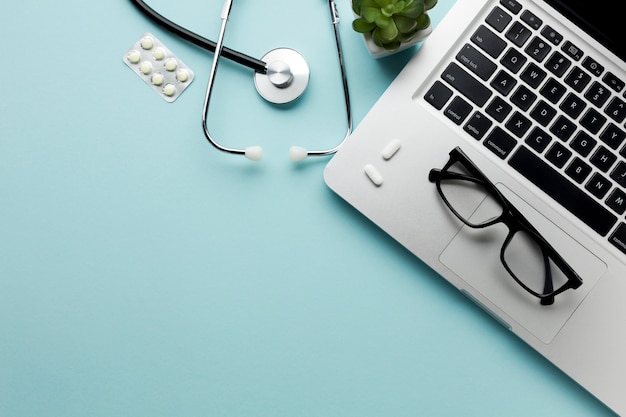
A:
(532, 93)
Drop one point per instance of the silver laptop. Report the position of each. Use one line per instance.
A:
(516, 106)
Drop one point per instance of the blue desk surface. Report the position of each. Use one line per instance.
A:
(144, 273)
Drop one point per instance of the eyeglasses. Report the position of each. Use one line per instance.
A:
(532, 262)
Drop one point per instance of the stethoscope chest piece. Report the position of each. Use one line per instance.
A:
(287, 76)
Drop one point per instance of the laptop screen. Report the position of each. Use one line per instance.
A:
(593, 20)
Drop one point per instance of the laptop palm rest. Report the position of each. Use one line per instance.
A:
(474, 255)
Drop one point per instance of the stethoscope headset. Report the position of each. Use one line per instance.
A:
(281, 76)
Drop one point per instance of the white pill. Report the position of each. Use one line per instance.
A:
(182, 75)
(373, 174)
(147, 43)
(391, 149)
(169, 90)
(145, 67)
(171, 64)
(134, 57)
(158, 79)
(158, 53)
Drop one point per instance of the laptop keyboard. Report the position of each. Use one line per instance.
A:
(551, 111)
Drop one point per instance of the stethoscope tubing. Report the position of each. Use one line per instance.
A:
(219, 48)
(253, 63)
(344, 81)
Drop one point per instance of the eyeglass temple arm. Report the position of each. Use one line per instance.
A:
(437, 174)
(548, 286)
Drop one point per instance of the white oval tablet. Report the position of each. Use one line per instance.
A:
(373, 174)
(391, 149)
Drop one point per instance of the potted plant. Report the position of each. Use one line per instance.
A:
(390, 26)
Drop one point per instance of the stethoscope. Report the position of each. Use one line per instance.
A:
(281, 76)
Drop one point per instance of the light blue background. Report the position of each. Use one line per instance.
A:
(144, 273)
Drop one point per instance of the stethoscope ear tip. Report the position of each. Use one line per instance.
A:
(254, 153)
(297, 153)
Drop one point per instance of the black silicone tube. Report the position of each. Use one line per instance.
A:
(256, 64)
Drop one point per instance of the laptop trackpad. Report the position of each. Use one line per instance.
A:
(474, 255)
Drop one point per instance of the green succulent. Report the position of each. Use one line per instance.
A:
(391, 22)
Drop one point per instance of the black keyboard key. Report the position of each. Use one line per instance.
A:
(518, 34)
(543, 113)
(573, 105)
(557, 64)
(488, 41)
(558, 155)
(500, 142)
(552, 35)
(572, 51)
(613, 81)
(577, 79)
(538, 139)
(563, 191)
(518, 124)
(613, 136)
(553, 90)
(467, 85)
(563, 128)
(619, 174)
(578, 170)
(531, 20)
(598, 185)
(538, 49)
(592, 66)
(498, 19)
(616, 110)
(533, 75)
(512, 5)
(513, 60)
(617, 201)
(498, 109)
(458, 110)
(583, 143)
(597, 94)
(592, 121)
(523, 97)
(476, 62)
(603, 159)
(503, 83)
(478, 125)
(618, 237)
(438, 95)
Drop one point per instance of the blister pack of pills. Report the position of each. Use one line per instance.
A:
(158, 67)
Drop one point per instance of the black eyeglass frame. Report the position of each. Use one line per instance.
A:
(511, 217)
